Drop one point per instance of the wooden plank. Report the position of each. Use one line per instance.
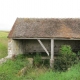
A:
(51, 38)
(47, 57)
(32, 38)
(52, 53)
(52, 48)
(43, 46)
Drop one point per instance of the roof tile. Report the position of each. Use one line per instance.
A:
(45, 28)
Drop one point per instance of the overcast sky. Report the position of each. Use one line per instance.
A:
(11, 9)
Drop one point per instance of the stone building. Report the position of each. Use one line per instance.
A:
(30, 35)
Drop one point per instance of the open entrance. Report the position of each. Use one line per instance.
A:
(25, 46)
(32, 47)
(73, 43)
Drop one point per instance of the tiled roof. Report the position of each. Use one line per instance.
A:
(45, 28)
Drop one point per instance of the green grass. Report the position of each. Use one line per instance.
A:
(72, 74)
(9, 70)
(3, 44)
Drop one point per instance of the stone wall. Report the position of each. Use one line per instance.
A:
(14, 47)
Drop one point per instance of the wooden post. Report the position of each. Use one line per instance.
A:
(52, 53)
(43, 46)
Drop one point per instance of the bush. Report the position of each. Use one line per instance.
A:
(78, 54)
(37, 60)
(66, 59)
(65, 50)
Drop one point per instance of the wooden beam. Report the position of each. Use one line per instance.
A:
(52, 48)
(51, 38)
(52, 53)
(32, 38)
(47, 57)
(43, 46)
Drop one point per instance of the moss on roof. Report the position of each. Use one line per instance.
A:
(45, 28)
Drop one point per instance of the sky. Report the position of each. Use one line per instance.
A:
(11, 9)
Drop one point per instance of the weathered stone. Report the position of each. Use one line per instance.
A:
(14, 47)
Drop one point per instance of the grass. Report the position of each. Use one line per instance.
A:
(72, 74)
(10, 69)
(3, 44)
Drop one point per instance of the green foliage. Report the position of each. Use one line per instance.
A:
(65, 50)
(12, 67)
(66, 59)
(9, 69)
(72, 74)
(46, 63)
(37, 60)
(78, 54)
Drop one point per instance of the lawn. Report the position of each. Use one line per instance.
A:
(3, 44)
(10, 69)
(72, 74)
